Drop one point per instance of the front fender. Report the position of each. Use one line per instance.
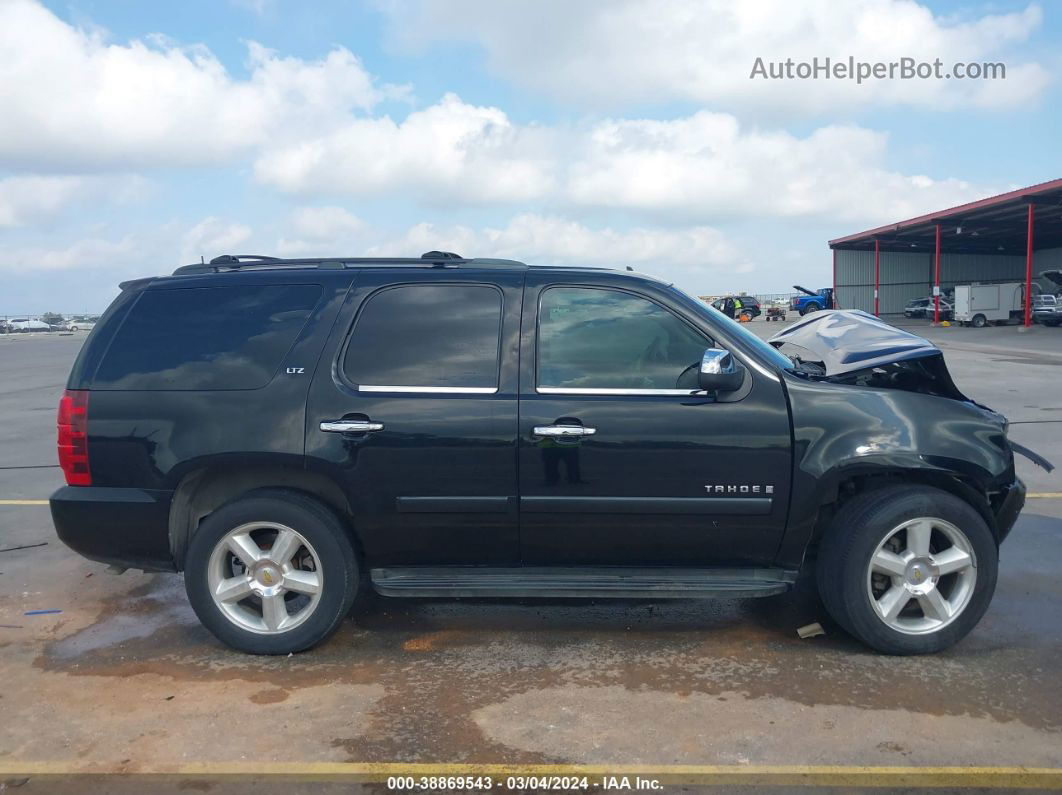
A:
(842, 431)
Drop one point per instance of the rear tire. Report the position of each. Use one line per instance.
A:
(871, 559)
(273, 572)
(979, 321)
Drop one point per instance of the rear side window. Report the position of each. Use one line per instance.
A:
(433, 336)
(206, 338)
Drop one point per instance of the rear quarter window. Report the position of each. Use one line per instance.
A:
(206, 338)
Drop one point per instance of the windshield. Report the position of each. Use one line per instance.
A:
(768, 352)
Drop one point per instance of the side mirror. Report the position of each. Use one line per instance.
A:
(719, 372)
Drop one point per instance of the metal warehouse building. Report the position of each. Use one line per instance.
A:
(1006, 238)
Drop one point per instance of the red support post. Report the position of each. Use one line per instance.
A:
(1028, 267)
(877, 273)
(936, 282)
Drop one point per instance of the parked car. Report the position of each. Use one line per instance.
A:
(750, 305)
(1052, 316)
(924, 308)
(916, 307)
(811, 301)
(1044, 308)
(279, 430)
(82, 325)
(25, 325)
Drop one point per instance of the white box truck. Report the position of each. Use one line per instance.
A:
(978, 305)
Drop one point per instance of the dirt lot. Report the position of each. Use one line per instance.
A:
(124, 678)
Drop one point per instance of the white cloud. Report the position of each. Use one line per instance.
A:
(608, 54)
(446, 151)
(72, 99)
(75, 101)
(534, 238)
(89, 252)
(706, 165)
(321, 231)
(689, 169)
(331, 230)
(212, 236)
(27, 200)
(552, 240)
(150, 250)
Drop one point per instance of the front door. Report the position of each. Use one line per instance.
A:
(622, 462)
(413, 411)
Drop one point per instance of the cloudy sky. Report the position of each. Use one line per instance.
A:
(135, 137)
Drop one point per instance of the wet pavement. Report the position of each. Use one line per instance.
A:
(124, 678)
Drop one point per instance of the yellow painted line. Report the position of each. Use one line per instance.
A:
(715, 775)
(1044, 495)
(23, 502)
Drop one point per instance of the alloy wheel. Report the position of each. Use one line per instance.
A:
(921, 576)
(265, 577)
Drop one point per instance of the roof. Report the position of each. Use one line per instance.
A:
(996, 225)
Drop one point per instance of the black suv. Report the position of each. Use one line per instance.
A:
(283, 430)
(750, 305)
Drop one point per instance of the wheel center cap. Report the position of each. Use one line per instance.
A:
(920, 576)
(267, 576)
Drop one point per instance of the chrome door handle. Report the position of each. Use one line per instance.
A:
(564, 430)
(351, 426)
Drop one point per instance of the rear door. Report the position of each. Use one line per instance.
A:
(620, 462)
(414, 410)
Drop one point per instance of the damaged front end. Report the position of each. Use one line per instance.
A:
(853, 348)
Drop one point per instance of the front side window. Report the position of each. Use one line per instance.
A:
(435, 336)
(605, 339)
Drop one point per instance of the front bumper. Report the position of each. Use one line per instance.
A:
(124, 527)
(1008, 506)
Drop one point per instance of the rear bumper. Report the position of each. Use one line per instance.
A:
(1009, 507)
(125, 527)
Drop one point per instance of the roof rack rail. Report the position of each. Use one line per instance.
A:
(430, 259)
(234, 259)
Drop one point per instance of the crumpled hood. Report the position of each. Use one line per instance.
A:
(1053, 275)
(847, 340)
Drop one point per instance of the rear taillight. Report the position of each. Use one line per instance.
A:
(73, 437)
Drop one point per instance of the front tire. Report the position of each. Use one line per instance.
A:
(273, 572)
(907, 569)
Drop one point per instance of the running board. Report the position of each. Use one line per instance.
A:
(588, 581)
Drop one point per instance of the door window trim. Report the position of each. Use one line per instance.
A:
(435, 390)
(607, 391)
(561, 390)
(341, 356)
